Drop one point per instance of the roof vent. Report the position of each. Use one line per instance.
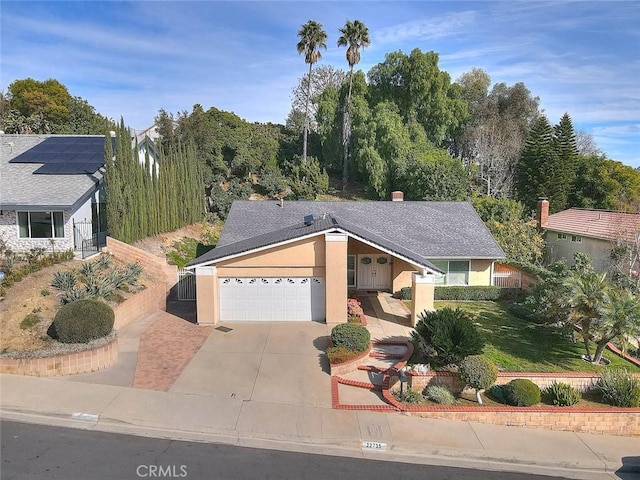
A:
(308, 220)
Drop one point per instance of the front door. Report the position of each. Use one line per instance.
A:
(374, 272)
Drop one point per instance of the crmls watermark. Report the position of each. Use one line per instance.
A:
(160, 471)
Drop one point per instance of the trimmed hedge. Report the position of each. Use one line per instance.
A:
(522, 392)
(467, 293)
(351, 336)
(83, 320)
(461, 292)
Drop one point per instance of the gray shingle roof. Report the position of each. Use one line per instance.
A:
(300, 229)
(415, 230)
(20, 188)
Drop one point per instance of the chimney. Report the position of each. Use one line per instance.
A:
(397, 196)
(542, 212)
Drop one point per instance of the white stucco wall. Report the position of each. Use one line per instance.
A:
(9, 233)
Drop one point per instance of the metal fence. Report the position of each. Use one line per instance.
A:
(186, 285)
(85, 241)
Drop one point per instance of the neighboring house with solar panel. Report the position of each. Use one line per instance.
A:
(52, 192)
(593, 232)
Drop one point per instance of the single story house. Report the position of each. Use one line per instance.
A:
(299, 260)
(52, 192)
(593, 232)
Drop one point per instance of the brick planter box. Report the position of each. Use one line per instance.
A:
(351, 365)
(68, 364)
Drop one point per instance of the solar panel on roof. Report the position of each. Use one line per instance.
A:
(65, 155)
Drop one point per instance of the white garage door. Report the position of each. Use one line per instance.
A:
(272, 299)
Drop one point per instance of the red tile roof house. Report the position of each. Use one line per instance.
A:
(593, 232)
(299, 260)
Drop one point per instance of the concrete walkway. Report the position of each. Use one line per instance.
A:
(266, 385)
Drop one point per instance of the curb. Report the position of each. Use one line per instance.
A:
(351, 449)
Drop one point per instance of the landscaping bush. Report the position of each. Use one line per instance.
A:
(405, 293)
(498, 393)
(29, 321)
(478, 373)
(619, 388)
(64, 280)
(522, 392)
(408, 396)
(354, 320)
(466, 293)
(439, 394)
(83, 320)
(450, 333)
(354, 307)
(351, 336)
(338, 355)
(561, 394)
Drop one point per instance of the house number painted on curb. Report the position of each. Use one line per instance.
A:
(377, 446)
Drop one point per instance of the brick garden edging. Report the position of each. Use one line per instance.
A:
(601, 420)
(75, 363)
(350, 365)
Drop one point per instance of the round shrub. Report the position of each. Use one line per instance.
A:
(439, 394)
(562, 394)
(522, 393)
(499, 393)
(478, 373)
(351, 336)
(619, 388)
(83, 320)
(450, 333)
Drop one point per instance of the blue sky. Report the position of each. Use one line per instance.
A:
(132, 58)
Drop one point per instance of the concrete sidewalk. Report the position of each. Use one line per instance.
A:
(315, 429)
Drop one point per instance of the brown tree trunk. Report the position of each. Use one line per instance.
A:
(601, 345)
(305, 129)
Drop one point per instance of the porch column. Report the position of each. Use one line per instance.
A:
(207, 295)
(336, 277)
(422, 288)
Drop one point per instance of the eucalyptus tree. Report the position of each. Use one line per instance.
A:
(355, 35)
(312, 39)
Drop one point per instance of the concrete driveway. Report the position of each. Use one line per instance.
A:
(274, 362)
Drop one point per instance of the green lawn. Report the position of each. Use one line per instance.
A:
(517, 345)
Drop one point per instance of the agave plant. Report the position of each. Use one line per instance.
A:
(72, 294)
(64, 280)
(132, 273)
(103, 262)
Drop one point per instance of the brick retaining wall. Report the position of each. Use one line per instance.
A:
(142, 304)
(68, 364)
(583, 381)
(155, 266)
(614, 421)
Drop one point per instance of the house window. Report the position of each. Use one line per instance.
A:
(562, 236)
(456, 272)
(576, 238)
(41, 224)
(351, 271)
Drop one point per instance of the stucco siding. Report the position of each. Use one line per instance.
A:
(304, 253)
(597, 249)
(402, 274)
(480, 273)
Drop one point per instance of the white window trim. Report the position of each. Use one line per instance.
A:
(53, 225)
(562, 237)
(576, 238)
(355, 271)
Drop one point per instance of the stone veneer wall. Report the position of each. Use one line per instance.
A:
(68, 364)
(9, 232)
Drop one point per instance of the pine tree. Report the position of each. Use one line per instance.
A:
(567, 152)
(536, 169)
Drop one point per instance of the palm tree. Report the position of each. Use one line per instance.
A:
(585, 297)
(355, 35)
(312, 38)
(620, 317)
